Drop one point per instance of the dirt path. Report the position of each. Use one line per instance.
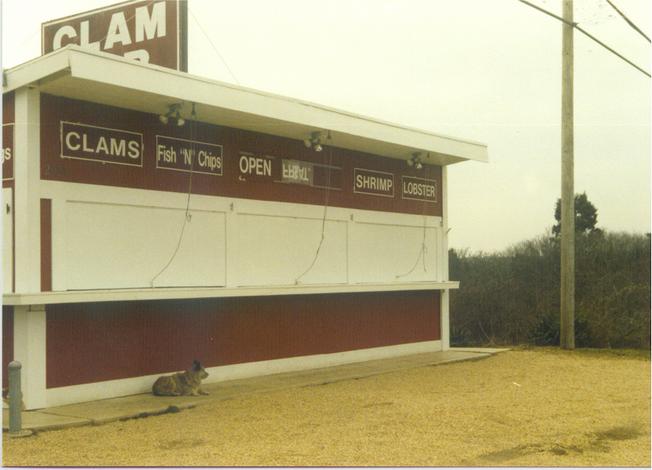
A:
(520, 408)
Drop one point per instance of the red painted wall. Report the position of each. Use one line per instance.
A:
(104, 341)
(8, 117)
(7, 341)
(8, 107)
(46, 245)
(234, 141)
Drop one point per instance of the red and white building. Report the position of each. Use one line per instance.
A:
(132, 247)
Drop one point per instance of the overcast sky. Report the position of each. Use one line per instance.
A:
(485, 70)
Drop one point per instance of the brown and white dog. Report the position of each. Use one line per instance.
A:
(181, 383)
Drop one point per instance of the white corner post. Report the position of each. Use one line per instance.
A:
(444, 293)
(29, 321)
(27, 205)
(29, 350)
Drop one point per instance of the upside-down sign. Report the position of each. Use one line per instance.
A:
(152, 31)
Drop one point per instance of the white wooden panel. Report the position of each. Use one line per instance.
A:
(121, 246)
(7, 240)
(392, 253)
(277, 250)
(30, 350)
(395, 218)
(58, 190)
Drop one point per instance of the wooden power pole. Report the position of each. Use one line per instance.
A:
(567, 323)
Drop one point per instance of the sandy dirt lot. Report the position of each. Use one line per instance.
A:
(533, 407)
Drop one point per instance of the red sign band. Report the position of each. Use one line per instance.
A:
(101, 144)
(7, 152)
(420, 189)
(178, 154)
(375, 183)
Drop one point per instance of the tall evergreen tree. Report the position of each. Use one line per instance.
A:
(586, 216)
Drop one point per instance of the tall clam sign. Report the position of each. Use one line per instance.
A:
(151, 31)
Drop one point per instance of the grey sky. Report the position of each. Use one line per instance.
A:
(486, 70)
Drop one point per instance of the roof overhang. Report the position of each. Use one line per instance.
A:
(109, 79)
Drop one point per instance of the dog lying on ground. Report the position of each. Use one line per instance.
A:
(181, 383)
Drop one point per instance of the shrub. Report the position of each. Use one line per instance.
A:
(512, 297)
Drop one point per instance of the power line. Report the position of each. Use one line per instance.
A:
(590, 36)
(629, 22)
(213, 46)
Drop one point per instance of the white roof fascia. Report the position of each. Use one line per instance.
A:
(119, 72)
(30, 73)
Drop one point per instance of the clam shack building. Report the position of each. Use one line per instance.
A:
(151, 217)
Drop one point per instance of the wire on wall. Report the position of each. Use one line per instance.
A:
(187, 216)
(323, 221)
(423, 251)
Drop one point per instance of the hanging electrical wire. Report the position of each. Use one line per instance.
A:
(323, 221)
(187, 216)
(421, 256)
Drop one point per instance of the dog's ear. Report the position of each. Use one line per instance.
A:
(196, 365)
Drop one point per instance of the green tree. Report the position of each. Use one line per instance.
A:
(586, 216)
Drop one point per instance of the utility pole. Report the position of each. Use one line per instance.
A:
(567, 323)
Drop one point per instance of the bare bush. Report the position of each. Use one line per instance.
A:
(512, 297)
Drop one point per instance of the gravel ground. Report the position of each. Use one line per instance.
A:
(532, 407)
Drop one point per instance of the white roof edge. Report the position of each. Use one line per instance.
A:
(34, 70)
(78, 62)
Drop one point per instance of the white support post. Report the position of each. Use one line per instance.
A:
(444, 294)
(29, 350)
(445, 324)
(444, 223)
(27, 206)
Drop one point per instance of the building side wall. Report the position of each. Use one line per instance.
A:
(8, 159)
(8, 127)
(86, 223)
(121, 222)
(117, 340)
(7, 342)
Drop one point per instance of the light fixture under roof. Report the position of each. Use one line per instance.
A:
(173, 112)
(415, 161)
(314, 141)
